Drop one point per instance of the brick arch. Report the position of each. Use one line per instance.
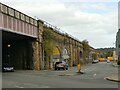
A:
(56, 53)
(58, 47)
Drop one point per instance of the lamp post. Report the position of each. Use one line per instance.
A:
(8, 46)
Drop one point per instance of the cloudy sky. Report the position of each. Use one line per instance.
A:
(93, 20)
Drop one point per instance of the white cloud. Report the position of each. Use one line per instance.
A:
(75, 18)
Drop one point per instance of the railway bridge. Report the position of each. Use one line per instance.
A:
(19, 31)
(24, 42)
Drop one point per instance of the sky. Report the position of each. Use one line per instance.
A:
(93, 20)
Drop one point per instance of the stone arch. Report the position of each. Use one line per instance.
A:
(81, 54)
(81, 57)
(65, 53)
(56, 54)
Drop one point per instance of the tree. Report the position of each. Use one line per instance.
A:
(86, 50)
(94, 56)
(48, 45)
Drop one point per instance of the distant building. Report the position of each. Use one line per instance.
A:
(114, 55)
(118, 43)
(118, 34)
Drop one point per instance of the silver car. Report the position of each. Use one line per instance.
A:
(61, 65)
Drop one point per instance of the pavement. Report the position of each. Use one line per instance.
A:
(93, 77)
(115, 65)
(115, 78)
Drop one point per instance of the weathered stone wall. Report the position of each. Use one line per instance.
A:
(36, 57)
(37, 49)
(118, 43)
(74, 48)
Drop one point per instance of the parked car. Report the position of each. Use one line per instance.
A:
(61, 65)
(95, 61)
(118, 62)
(7, 68)
(108, 61)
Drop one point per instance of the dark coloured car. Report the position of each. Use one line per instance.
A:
(118, 62)
(7, 68)
(61, 65)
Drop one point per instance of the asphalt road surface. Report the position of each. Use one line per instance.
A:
(93, 77)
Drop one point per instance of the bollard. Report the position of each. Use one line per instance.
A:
(79, 68)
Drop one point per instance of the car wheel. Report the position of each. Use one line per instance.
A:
(63, 68)
(66, 68)
(13, 70)
(55, 68)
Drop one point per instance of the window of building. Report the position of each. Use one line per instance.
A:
(119, 46)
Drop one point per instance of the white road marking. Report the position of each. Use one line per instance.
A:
(94, 74)
(105, 78)
(19, 87)
(44, 87)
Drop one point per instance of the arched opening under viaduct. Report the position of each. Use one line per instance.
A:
(17, 50)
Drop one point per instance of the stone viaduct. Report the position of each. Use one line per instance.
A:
(28, 43)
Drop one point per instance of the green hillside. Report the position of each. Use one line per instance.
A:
(107, 52)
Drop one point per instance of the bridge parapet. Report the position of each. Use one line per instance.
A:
(14, 21)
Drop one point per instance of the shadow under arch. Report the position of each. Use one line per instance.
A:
(81, 54)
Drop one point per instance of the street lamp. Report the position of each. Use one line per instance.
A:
(8, 45)
(9, 53)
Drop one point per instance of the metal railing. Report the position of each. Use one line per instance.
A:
(58, 30)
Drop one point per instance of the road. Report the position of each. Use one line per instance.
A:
(93, 77)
